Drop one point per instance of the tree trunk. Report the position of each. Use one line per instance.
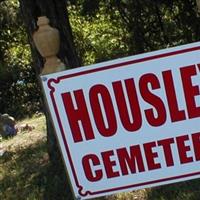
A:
(56, 11)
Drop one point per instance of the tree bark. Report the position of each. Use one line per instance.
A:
(56, 11)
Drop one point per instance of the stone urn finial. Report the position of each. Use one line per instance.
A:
(47, 41)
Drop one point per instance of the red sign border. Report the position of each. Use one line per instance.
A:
(107, 67)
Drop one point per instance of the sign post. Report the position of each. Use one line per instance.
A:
(129, 123)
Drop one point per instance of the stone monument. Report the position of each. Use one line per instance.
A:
(7, 125)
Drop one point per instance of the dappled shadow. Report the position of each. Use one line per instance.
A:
(57, 187)
(27, 174)
(23, 173)
(187, 190)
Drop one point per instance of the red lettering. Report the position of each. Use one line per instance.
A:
(128, 160)
(155, 101)
(183, 149)
(175, 113)
(87, 161)
(78, 114)
(109, 164)
(190, 91)
(133, 103)
(166, 145)
(196, 144)
(98, 92)
(150, 156)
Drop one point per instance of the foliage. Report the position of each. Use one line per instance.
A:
(99, 36)
(158, 24)
(102, 30)
(18, 85)
(115, 28)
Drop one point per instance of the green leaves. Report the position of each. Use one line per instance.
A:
(15, 64)
(99, 37)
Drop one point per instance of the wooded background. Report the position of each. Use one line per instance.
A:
(101, 30)
(91, 31)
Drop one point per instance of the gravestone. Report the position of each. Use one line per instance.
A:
(7, 125)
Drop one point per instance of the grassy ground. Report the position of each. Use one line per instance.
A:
(26, 173)
(24, 162)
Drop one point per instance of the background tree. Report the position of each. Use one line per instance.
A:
(17, 79)
(158, 24)
(99, 33)
(57, 13)
(142, 25)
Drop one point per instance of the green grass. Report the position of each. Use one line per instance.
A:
(24, 164)
(188, 190)
(27, 174)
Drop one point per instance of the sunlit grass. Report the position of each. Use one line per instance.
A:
(23, 165)
(27, 174)
(25, 139)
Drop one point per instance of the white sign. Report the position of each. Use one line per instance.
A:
(129, 123)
